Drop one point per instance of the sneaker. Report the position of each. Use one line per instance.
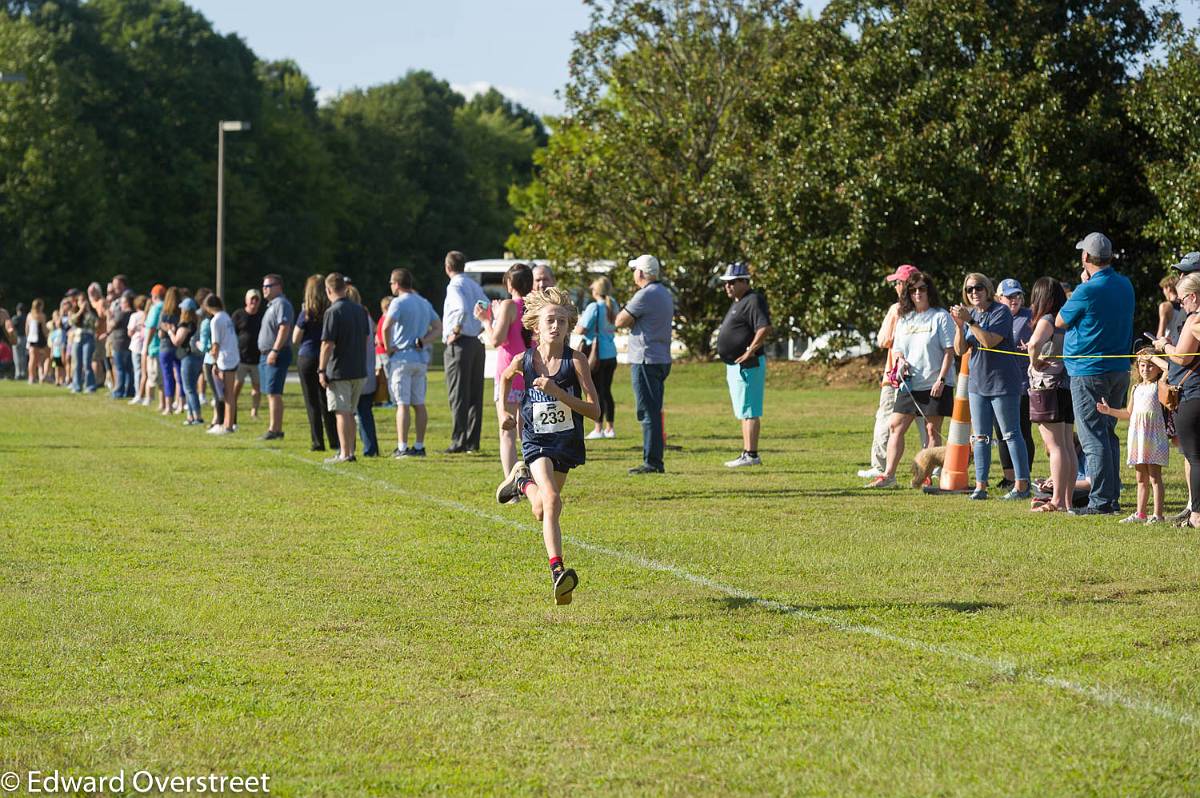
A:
(743, 460)
(882, 482)
(234, 428)
(135, 401)
(594, 435)
(270, 436)
(1183, 514)
(1091, 511)
(646, 468)
(610, 433)
(1015, 494)
(869, 473)
(1134, 518)
(979, 494)
(510, 487)
(398, 452)
(1156, 519)
(411, 452)
(219, 431)
(1005, 484)
(565, 583)
(337, 458)
(146, 402)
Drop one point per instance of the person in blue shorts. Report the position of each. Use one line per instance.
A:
(552, 410)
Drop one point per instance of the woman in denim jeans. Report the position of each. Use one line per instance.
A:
(83, 327)
(185, 345)
(168, 364)
(994, 386)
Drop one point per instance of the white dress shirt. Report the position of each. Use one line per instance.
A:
(459, 308)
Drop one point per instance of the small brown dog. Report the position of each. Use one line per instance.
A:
(924, 463)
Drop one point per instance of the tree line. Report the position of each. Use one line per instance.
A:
(956, 135)
(108, 158)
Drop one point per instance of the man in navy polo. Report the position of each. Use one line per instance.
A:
(1098, 319)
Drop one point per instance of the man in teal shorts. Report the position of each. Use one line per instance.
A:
(740, 345)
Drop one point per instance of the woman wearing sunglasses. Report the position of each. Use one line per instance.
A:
(994, 385)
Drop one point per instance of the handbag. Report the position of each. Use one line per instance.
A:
(1043, 405)
(1169, 395)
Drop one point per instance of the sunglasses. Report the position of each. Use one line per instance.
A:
(917, 288)
(269, 285)
(971, 289)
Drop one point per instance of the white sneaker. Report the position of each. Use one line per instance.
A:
(870, 473)
(595, 435)
(610, 433)
(135, 401)
(219, 431)
(1134, 518)
(743, 460)
(146, 402)
(1156, 519)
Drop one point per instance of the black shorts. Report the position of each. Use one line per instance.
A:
(1065, 413)
(57, 361)
(909, 403)
(560, 465)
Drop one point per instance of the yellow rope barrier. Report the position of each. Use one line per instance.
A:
(1064, 357)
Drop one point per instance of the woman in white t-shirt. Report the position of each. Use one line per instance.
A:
(923, 358)
(225, 352)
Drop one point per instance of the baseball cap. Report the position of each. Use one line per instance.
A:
(158, 290)
(1097, 245)
(736, 271)
(1009, 286)
(128, 293)
(73, 292)
(903, 273)
(648, 264)
(189, 304)
(1188, 263)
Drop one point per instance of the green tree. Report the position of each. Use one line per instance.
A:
(954, 135)
(654, 150)
(1164, 102)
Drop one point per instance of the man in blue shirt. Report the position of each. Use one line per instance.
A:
(1098, 319)
(411, 326)
(648, 315)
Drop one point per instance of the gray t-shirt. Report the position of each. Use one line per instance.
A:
(653, 307)
(279, 312)
(347, 327)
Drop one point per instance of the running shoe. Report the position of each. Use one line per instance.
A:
(565, 582)
(1156, 519)
(743, 460)
(979, 494)
(869, 473)
(510, 487)
(1134, 518)
(610, 433)
(882, 482)
(594, 435)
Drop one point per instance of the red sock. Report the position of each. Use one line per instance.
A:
(556, 563)
(525, 488)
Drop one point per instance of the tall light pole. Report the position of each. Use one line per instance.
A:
(222, 127)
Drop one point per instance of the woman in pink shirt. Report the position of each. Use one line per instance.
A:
(503, 329)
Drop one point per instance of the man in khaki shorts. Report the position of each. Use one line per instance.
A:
(342, 368)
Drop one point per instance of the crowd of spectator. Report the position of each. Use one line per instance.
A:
(1062, 364)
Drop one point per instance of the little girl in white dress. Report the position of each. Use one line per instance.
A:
(1148, 444)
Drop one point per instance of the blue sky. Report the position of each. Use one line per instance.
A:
(519, 46)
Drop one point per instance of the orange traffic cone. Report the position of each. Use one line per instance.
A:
(958, 443)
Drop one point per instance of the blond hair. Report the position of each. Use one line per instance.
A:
(1188, 284)
(538, 301)
(981, 279)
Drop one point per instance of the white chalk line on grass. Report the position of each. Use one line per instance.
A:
(1003, 667)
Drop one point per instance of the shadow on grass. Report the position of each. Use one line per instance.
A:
(759, 493)
(965, 607)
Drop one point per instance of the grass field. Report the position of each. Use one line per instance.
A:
(187, 604)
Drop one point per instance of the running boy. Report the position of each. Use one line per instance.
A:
(552, 410)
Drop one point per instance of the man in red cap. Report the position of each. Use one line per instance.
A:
(887, 394)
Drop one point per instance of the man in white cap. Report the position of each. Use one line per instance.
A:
(649, 314)
(1098, 319)
(740, 341)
